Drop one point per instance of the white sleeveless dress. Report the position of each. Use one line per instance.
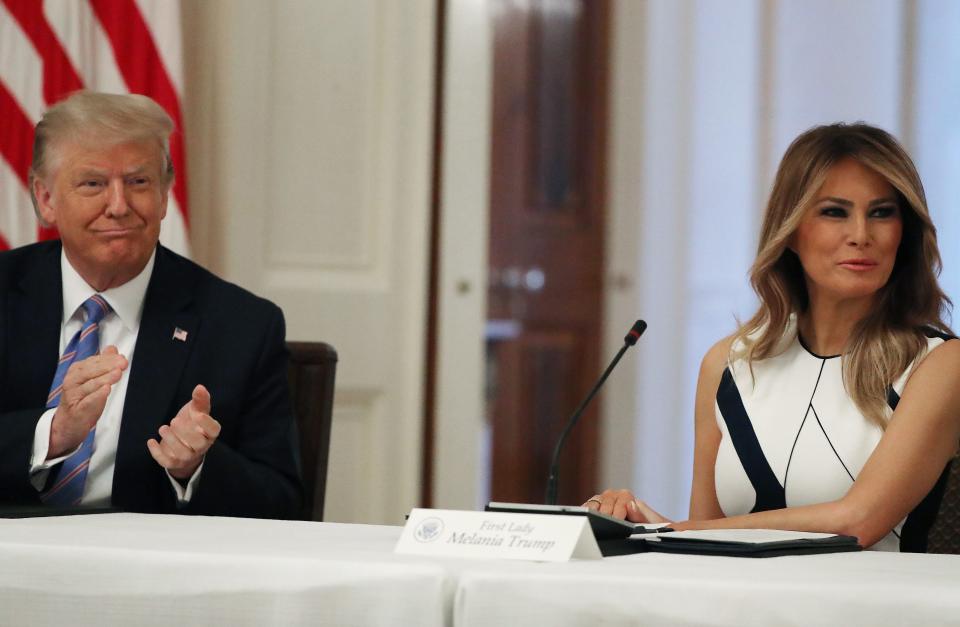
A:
(809, 441)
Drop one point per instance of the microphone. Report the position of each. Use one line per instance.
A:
(631, 338)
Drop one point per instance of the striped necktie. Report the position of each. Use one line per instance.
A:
(67, 485)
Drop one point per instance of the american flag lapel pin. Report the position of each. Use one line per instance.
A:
(179, 334)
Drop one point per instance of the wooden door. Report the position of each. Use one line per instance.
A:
(312, 127)
(546, 241)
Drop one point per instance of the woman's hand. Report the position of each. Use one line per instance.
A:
(623, 504)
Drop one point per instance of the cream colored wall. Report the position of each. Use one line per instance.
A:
(309, 145)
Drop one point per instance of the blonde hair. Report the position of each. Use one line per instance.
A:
(891, 337)
(105, 118)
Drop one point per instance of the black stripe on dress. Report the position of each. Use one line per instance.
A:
(916, 528)
(770, 494)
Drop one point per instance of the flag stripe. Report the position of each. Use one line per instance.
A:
(164, 22)
(136, 55)
(18, 226)
(85, 43)
(173, 230)
(22, 68)
(59, 76)
(16, 135)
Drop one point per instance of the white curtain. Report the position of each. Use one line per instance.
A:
(726, 86)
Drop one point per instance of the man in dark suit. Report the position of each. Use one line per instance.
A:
(185, 406)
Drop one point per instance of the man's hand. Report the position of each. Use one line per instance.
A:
(185, 441)
(86, 387)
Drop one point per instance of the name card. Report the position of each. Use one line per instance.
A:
(534, 537)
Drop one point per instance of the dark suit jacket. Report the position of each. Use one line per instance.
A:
(235, 347)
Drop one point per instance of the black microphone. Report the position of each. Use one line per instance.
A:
(631, 338)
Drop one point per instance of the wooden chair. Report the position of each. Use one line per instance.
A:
(311, 374)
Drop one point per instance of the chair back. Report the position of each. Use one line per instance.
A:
(944, 534)
(311, 372)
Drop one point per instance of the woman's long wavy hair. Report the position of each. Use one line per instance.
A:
(891, 337)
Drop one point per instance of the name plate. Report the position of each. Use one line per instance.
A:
(534, 537)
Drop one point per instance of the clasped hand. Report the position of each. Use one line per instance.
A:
(86, 387)
(187, 438)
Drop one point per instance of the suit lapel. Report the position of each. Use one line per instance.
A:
(33, 332)
(156, 372)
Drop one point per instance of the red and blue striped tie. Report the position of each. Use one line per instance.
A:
(68, 483)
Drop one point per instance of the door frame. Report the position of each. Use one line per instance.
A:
(459, 425)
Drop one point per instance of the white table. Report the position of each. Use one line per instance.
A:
(176, 571)
(868, 588)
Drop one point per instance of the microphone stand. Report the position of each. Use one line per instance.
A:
(635, 332)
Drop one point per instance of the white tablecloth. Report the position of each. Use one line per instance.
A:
(176, 571)
(868, 588)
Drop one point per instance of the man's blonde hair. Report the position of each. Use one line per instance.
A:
(103, 118)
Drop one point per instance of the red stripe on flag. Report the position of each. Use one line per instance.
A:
(142, 67)
(16, 135)
(45, 233)
(59, 76)
(16, 141)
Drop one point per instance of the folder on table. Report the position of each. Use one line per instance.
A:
(734, 543)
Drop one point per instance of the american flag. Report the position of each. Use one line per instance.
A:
(51, 48)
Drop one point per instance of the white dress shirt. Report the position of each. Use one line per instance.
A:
(118, 328)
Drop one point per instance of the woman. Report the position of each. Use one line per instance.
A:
(834, 408)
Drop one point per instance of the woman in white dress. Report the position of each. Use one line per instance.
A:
(835, 408)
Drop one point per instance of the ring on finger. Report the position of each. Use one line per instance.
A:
(596, 500)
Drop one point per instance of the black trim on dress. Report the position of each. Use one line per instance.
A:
(770, 494)
(913, 535)
(916, 528)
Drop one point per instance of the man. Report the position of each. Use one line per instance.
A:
(170, 392)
